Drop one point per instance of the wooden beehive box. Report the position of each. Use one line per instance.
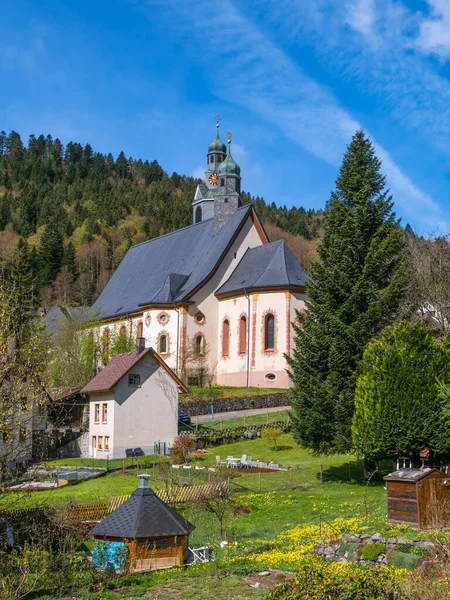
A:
(419, 498)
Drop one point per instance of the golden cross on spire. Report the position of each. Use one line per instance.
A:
(217, 119)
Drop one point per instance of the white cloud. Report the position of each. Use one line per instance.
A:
(361, 17)
(434, 33)
(238, 151)
(259, 76)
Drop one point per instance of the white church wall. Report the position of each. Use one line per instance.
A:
(266, 368)
(205, 300)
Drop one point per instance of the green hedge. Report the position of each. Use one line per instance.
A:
(233, 435)
(372, 551)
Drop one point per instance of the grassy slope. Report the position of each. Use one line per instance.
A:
(273, 417)
(216, 392)
(284, 500)
(338, 495)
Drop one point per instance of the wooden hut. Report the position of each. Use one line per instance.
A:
(419, 498)
(156, 535)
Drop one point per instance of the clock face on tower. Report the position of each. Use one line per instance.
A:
(213, 179)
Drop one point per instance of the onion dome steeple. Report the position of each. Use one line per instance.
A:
(229, 166)
(217, 145)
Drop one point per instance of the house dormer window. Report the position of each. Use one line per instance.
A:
(134, 380)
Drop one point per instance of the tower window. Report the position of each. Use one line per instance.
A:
(198, 214)
(211, 159)
(222, 182)
(226, 200)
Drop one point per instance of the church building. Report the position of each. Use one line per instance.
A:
(215, 299)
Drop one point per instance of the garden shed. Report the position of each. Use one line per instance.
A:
(419, 498)
(156, 535)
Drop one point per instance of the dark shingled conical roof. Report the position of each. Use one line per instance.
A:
(143, 515)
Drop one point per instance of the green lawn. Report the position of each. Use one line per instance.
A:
(316, 490)
(276, 499)
(270, 417)
(116, 463)
(216, 392)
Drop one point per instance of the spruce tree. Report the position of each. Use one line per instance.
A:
(50, 255)
(356, 289)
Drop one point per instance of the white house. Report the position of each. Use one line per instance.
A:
(133, 404)
(216, 291)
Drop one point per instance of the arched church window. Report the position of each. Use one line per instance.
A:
(211, 159)
(105, 346)
(198, 214)
(139, 329)
(199, 345)
(225, 337)
(163, 344)
(243, 335)
(269, 331)
(222, 182)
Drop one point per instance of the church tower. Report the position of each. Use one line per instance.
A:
(218, 196)
(227, 199)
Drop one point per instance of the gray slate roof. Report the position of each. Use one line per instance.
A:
(143, 515)
(271, 265)
(55, 316)
(168, 268)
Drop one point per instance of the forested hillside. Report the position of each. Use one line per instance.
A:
(79, 211)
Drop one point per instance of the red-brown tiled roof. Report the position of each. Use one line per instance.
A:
(120, 365)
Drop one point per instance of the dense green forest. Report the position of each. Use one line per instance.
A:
(79, 211)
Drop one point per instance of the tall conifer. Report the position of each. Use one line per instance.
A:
(356, 289)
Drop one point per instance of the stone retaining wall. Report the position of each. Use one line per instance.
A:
(78, 448)
(349, 549)
(202, 407)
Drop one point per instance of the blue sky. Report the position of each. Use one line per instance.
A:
(292, 79)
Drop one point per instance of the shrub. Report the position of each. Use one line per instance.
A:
(419, 551)
(251, 434)
(272, 433)
(182, 446)
(372, 551)
(337, 581)
(241, 509)
(403, 560)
